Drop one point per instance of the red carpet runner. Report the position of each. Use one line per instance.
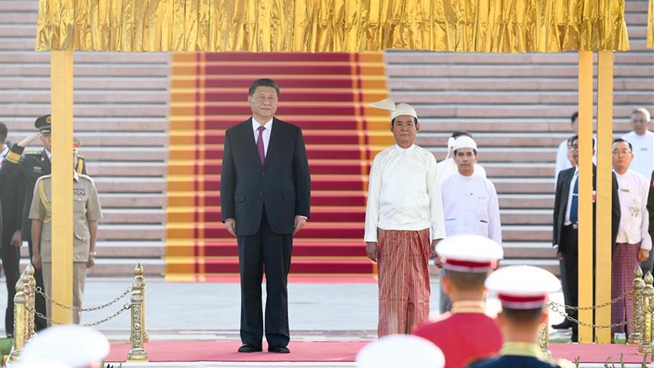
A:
(343, 351)
(327, 96)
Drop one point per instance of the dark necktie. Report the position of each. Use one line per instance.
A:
(574, 204)
(262, 152)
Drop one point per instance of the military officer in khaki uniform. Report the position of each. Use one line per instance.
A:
(26, 168)
(86, 213)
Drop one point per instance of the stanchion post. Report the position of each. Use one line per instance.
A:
(140, 279)
(19, 322)
(648, 297)
(137, 352)
(32, 299)
(544, 334)
(638, 321)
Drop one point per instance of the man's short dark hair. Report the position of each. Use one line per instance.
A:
(263, 82)
(576, 137)
(466, 281)
(458, 133)
(3, 132)
(574, 117)
(523, 316)
(619, 140)
(415, 121)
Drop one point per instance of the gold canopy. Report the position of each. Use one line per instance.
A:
(333, 25)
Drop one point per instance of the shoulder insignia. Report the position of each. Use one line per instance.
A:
(83, 176)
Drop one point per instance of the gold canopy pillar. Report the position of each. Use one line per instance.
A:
(61, 70)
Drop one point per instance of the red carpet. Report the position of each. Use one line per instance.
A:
(215, 351)
(326, 95)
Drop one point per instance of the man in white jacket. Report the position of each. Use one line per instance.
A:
(470, 202)
(634, 242)
(404, 222)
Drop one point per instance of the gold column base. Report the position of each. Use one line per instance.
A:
(635, 338)
(645, 349)
(137, 355)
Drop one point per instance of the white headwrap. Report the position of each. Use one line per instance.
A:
(396, 110)
(464, 142)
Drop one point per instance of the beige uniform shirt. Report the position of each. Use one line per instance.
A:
(86, 209)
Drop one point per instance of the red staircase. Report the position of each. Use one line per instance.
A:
(324, 94)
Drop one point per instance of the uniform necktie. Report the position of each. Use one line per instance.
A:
(574, 204)
(262, 152)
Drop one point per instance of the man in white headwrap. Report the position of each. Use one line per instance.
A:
(404, 222)
(470, 201)
(447, 167)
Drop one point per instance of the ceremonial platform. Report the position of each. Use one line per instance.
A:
(196, 325)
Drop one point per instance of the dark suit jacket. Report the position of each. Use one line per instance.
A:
(11, 200)
(563, 185)
(283, 182)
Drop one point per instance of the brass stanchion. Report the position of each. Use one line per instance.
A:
(19, 322)
(638, 285)
(138, 277)
(648, 299)
(137, 352)
(544, 334)
(31, 281)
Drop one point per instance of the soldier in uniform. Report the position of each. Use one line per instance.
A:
(11, 194)
(523, 292)
(26, 168)
(467, 333)
(86, 213)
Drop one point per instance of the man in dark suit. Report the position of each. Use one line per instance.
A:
(25, 169)
(11, 191)
(566, 236)
(264, 194)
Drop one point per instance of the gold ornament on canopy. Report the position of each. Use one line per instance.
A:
(332, 25)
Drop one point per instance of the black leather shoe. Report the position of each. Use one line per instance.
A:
(278, 349)
(247, 348)
(566, 324)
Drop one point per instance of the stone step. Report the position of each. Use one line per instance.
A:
(10, 97)
(527, 201)
(154, 70)
(108, 58)
(502, 84)
(131, 232)
(93, 125)
(122, 249)
(481, 98)
(116, 267)
(124, 84)
(559, 126)
(528, 250)
(499, 71)
(128, 200)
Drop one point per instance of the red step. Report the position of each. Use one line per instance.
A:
(272, 57)
(311, 231)
(284, 109)
(275, 69)
(318, 183)
(298, 266)
(218, 123)
(316, 168)
(228, 248)
(352, 215)
(289, 95)
(318, 198)
(314, 152)
(285, 81)
(217, 137)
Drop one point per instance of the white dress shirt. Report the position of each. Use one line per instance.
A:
(403, 193)
(471, 206)
(448, 167)
(562, 162)
(643, 150)
(634, 222)
(575, 177)
(266, 134)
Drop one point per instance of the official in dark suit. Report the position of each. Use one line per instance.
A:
(264, 194)
(566, 236)
(25, 169)
(11, 191)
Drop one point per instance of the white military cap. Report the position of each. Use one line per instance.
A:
(464, 142)
(73, 345)
(400, 351)
(395, 109)
(522, 287)
(469, 253)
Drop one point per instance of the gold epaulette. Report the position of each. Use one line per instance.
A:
(44, 200)
(80, 164)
